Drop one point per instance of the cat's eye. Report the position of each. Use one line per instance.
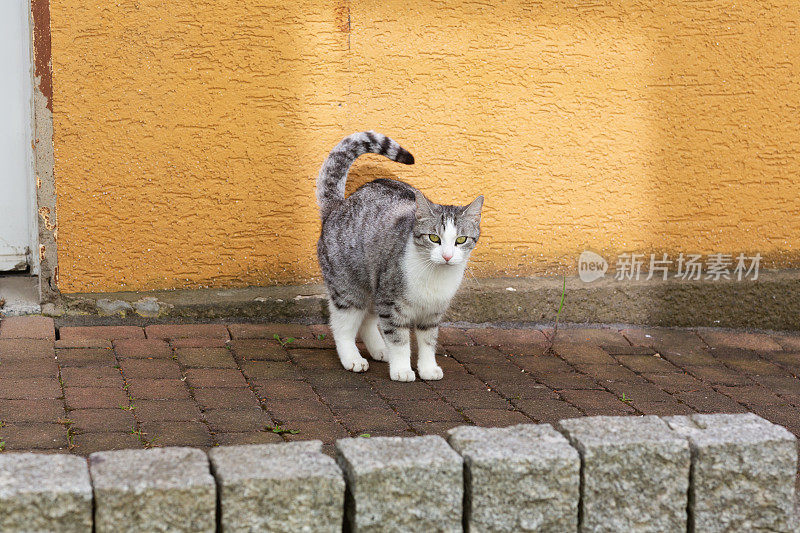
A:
(461, 240)
(434, 238)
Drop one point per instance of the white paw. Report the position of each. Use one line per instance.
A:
(430, 373)
(402, 374)
(356, 365)
(379, 355)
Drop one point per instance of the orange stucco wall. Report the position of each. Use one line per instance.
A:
(188, 134)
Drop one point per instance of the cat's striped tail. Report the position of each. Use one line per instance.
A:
(333, 174)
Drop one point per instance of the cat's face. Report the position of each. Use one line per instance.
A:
(446, 234)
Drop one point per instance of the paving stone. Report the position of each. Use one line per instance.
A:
(495, 417)
(544, 364)
(396, 390)
(523, 386)
(97, 376)
(481, 399)
(757, 367)
(475, 354)
(601, 373)
(596, 402)
(372, 421)
(267, 331)
(215, 377)
(252, 437)
(12, 411)
(177, 433)
(143, 348)
(26, 349)
(648, 363)
(595, 336)
(198, 342)
(100, 332)
(226, 398)
(29, 388)
(709, 402)
(672, 383)
(499, 337)
(454, 336)
(278, 487)
(281, 389)
(299, 409)
(262, 370)
(717, 375)
(166, 410)
(34, 435)
(635, 473)
(88, 443)
(328, 431)
(788, 342)
(83, 343)
(27, 327)
(458, 381)
(547, 410)
(569, 381)
(29, 368)
(434, 410)
(424, 427)
(151, 368)
(663, 408)
(339, 397)
(230, 420)
(260, 350)
(83, 357)
(95, 397)
(396, 484)
(102, 420)
(519, 478)
(44, 493)
(746, 341)
(666, 341)
(743, 470)
(575, 353)
(205, 357)
(180, 331)
(167, 489)
(158, 389)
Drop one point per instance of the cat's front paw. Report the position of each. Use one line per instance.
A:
(430, 373)
(401, 374)
(356, 365)
(379, 355)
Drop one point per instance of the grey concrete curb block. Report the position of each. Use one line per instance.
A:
(163, 489)
(519, 478)
(44, 493)
(278, 487)
(635, 474)
(742, 472)
(608, 474)
(402, 484)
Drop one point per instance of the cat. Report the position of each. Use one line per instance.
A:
(392, 260)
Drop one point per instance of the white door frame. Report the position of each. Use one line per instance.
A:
(22, 30)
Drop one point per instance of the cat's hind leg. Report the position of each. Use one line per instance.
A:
(344, 326)
(372, 338)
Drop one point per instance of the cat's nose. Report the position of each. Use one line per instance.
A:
(447, 256)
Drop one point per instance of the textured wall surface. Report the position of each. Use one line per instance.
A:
(188, 134)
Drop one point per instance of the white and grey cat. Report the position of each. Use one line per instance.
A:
(392, 260)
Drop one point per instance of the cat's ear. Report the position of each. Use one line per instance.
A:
(424, 207)
(474, 209)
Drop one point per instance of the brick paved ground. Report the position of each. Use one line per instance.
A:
(206, 384)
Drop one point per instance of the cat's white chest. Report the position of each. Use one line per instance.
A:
(429, 287)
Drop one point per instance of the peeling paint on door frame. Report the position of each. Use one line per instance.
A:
(42, 145)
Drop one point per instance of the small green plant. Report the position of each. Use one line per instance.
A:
(365, 435)
(321, 337)
(2, 445)
(2, 423)
(280, 430)
(626, 398)
(141, 436)
(130, 407)
(284, 341)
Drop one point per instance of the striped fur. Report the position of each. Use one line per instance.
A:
(333, 174)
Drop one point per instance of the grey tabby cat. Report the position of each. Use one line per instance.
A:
(392, 260)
